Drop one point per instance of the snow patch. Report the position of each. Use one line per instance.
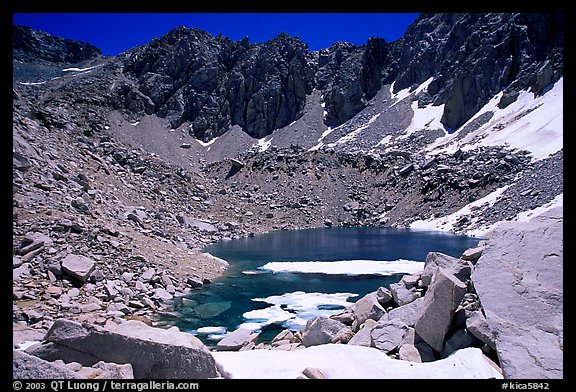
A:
(211, 330)
(343, 361)
(135, 123)
(320, 144)
(80, 69)
(25, 344)
(426, 118)
(525, 216)
(264, 143)
(400, 95)
(206, 144)
(446, 223)
(31, 83)
(530, 123)
(404, 93)
(385, 140)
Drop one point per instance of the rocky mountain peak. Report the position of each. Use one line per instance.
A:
(474, 56)
(37, 46)
(212, 83)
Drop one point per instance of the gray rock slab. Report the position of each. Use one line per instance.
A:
(414, 349)
(477, 325)
(403, 295)
(321, 330)
(473, 254)
(78, 266)
(440, 303)
(457, 267)
(362, 337)
(26, 366)
(152, 352)
(519, 280)
(388, 335)
(367, 307)
(115, 371)
(384, 295)
(408, 313)
(236, 340)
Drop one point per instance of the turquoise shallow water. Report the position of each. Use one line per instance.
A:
(224, 302)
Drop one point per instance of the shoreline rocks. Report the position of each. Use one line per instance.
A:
(152, 352)
(456, 293)
(461, 308)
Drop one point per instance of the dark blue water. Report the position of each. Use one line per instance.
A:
(223, 302)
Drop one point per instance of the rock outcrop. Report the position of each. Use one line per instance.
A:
(523, 300)
(152, 352)
(26, 366)
(350, 76)
(504, 52)
(31, 45)
(213, 83)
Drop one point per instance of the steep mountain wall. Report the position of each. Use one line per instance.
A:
(474, 56)
(189, 75)
(37, 46)
(212, 83)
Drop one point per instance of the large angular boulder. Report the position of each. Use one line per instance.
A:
(236, 340)
(414, 349)
(362, 336)
(26, 366)
(477, 325)
(403, 294)
(388, 335)
(367, 307)
(321, 330)
(519, 279)
(440, 303)
(78, 266)
(408, 313)
(152, 352)
(435, 260)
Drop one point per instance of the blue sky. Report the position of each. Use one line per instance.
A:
(114, 33)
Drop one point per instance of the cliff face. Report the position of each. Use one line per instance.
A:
(189, 75)
(474, 56)
(31, 45)
(214, 82)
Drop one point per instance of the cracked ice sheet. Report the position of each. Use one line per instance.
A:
(293, 310)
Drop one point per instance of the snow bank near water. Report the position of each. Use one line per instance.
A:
(351, 362)
(347, 267)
